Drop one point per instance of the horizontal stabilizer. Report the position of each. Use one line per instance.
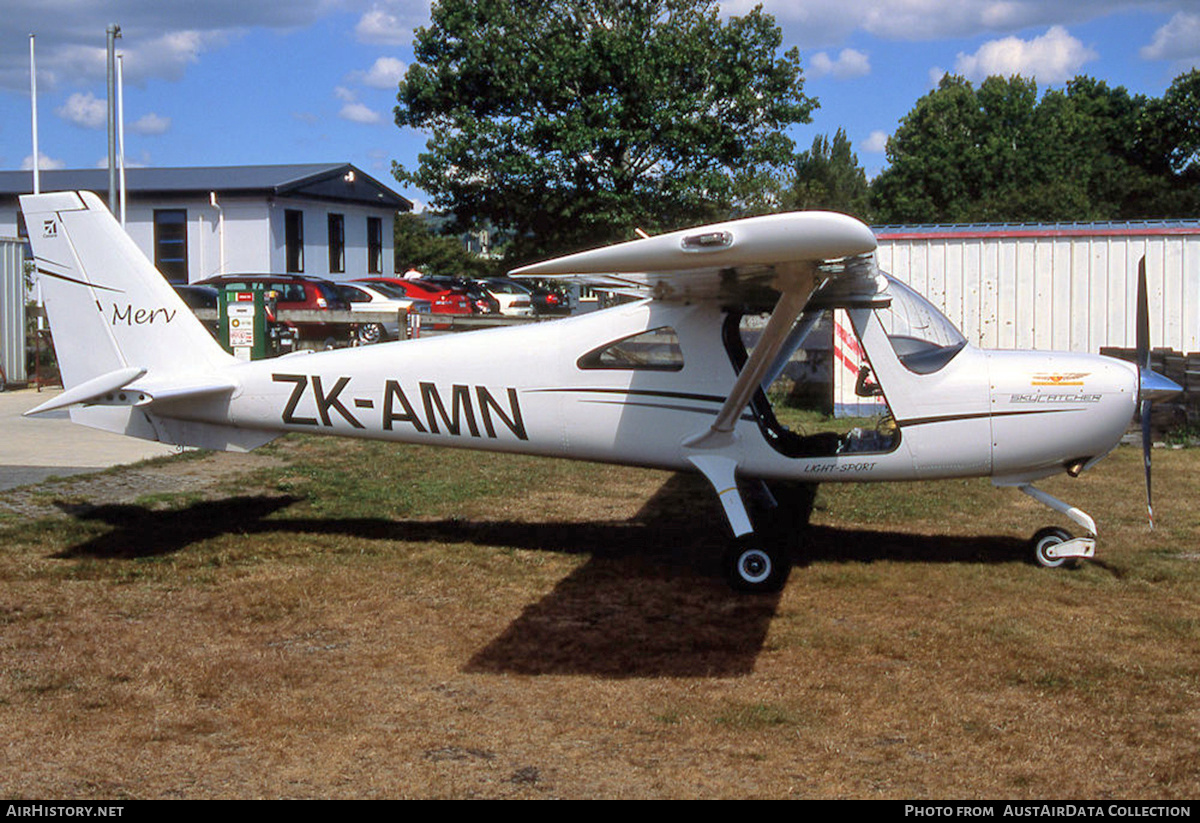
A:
(171, 391)
(90, 390)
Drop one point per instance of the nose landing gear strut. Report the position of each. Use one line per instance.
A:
(1052, 547)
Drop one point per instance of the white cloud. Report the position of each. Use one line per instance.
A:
(820, 23)
(131, 162)
(849, 63)
(359, 113)
(935, 75)
(387, 24)
(160, 39)
(385, 73)
(85, 111)
(354, 111)
(1055, 57)
(876, 142)
(44, 163)
(168, 55)
(1178, 40)
(151, 124)
(165, 56)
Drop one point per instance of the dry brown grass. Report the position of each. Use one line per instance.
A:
(370, 621)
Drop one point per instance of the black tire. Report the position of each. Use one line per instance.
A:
(751, 566)
(1046, 539)
(370, 333)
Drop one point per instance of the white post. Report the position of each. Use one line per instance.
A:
(113, 32)
(37, 183)
(121, 131)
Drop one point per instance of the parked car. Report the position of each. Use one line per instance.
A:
(544, 301)
(297, 292)
(378, 297)
(515, 299)
(441, 300)
(547, 301)
(201, 297)
(481, 300)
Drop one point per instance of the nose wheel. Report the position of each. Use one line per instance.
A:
(1052, 546)
(1046, 546)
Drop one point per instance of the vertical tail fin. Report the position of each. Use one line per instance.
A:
(110, 310)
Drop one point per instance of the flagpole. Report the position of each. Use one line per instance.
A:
(37, 182)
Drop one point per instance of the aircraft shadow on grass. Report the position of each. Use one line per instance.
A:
(651, 600)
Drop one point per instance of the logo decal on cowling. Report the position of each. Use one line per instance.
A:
(1058, 379)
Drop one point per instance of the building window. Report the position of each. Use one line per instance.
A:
(374, 245)
(337, 244)
(170, 244)
(293, 222)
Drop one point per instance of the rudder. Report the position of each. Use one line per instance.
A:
(109, 308)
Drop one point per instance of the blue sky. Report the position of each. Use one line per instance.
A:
(230, 82)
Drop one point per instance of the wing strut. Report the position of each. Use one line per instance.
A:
(795, 283)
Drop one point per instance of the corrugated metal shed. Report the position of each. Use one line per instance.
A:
(12, 310)
(1064, 286)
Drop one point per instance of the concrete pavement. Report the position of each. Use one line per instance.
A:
(34, 448)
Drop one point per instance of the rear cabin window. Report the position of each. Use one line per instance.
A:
(654, 350)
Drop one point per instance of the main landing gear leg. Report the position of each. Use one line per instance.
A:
(754, 562)
(1052, 547)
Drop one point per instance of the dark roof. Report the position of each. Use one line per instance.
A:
(325, 181)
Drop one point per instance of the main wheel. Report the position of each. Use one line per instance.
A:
(371, 333)
(1046, 539)
(752, 567)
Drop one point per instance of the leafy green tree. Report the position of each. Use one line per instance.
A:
(1175, 122)
(569, 123)
(419, 246)
(934, 158)
(828, 176)
(999, 153)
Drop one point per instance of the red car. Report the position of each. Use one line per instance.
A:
(443, 300)
(295, 292)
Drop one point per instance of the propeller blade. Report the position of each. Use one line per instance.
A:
(1143, 319)
(1146, 444)
(1144, 373)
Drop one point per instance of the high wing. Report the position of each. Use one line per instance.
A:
(735, 260)
(774, 259)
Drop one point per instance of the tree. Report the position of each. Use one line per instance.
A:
(933, 158)
(569, 123)
(998, 153)
(418, 246)
(828, 176)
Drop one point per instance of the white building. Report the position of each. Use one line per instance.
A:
(326, 220)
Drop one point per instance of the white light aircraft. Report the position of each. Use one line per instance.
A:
(667, 381)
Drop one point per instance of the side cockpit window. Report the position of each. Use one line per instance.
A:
(922, 337)
(654, 350)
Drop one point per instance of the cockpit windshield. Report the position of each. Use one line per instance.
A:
(923, 339)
